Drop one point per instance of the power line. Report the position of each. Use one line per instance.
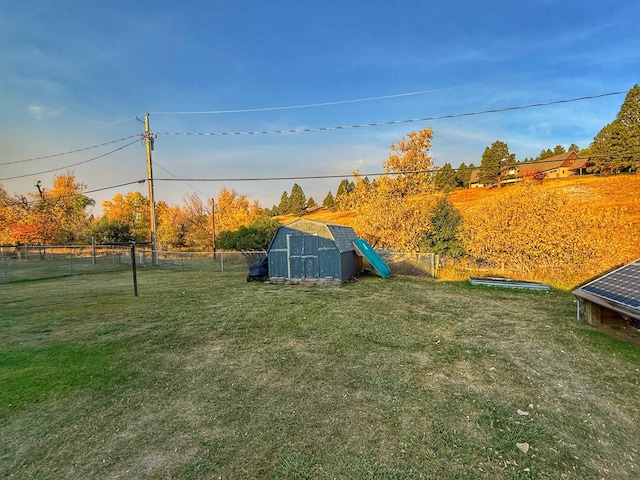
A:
(377, 174)
(57, 197)
(73, 164)
(396, 122)
(178, 179)
(70, 152)
(310, 105)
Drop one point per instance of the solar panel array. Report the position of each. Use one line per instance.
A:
(621, 286)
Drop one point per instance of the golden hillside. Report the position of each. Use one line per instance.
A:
(612, 192)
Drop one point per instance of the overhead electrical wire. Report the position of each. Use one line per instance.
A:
(396, 122)
(377, 174)
(57, 197)
(178, 178)
(72, 164)
(308, 105)
(70, 152)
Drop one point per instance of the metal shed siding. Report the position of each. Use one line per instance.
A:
(307, 249)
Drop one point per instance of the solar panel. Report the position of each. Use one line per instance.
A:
(621, 286)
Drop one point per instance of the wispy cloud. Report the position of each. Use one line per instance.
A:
(41, 111)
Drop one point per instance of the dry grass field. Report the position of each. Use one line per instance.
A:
(619, 191)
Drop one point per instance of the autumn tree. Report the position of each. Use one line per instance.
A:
(67, 206)
(173, 225)
(193, 226)
(616, 148)
(53, 215)
(388, 220)
(411, 163)
(132, 209)
(233, 210)
(494, 160)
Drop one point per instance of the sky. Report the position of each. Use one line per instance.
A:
(78, 73)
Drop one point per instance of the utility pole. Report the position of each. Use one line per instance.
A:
(149, 138)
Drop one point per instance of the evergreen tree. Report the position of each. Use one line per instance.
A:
(616, 148)
(445, 179)
(283, 207)
(329, 201)
(494, 159)
(344, 188)
(558, 149)
(545, 154)
(444, 236)
(573, 148)
(463, 174)
(311, 203)
(297, 200)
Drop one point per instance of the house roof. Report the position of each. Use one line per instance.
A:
(618, 290)
(569, 160)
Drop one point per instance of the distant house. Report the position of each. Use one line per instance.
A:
(473, 179)
(563, 165)
(313, 251)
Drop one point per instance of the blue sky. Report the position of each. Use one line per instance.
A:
(75, 74)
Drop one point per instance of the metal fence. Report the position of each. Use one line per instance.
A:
(39, 262)
(51, 261)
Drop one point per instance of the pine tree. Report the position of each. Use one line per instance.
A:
(494, 159)
(463, 174)
(297, 200)
(616, 148)
(283, 206)
(444, 237)
(329, 201)
(445, 179)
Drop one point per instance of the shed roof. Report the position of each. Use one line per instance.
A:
(342, 235)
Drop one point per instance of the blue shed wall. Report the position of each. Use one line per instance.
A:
(306, 249)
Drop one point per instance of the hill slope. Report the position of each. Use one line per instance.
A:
(613, 192)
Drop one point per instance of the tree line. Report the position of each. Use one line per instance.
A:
(405, 209)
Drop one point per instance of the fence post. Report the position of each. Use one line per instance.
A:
(433, 265)
(93, 250)
(133, 268)
(71, 261)
(5, 268)
(222, 262)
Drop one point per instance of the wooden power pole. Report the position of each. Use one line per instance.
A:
(149, 138)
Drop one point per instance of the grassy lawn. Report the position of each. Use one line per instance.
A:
(207, 376)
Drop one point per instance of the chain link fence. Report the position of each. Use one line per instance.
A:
(19, 263)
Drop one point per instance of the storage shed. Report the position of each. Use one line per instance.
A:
(314, 251)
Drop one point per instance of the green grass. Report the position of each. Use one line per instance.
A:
(205, 376)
